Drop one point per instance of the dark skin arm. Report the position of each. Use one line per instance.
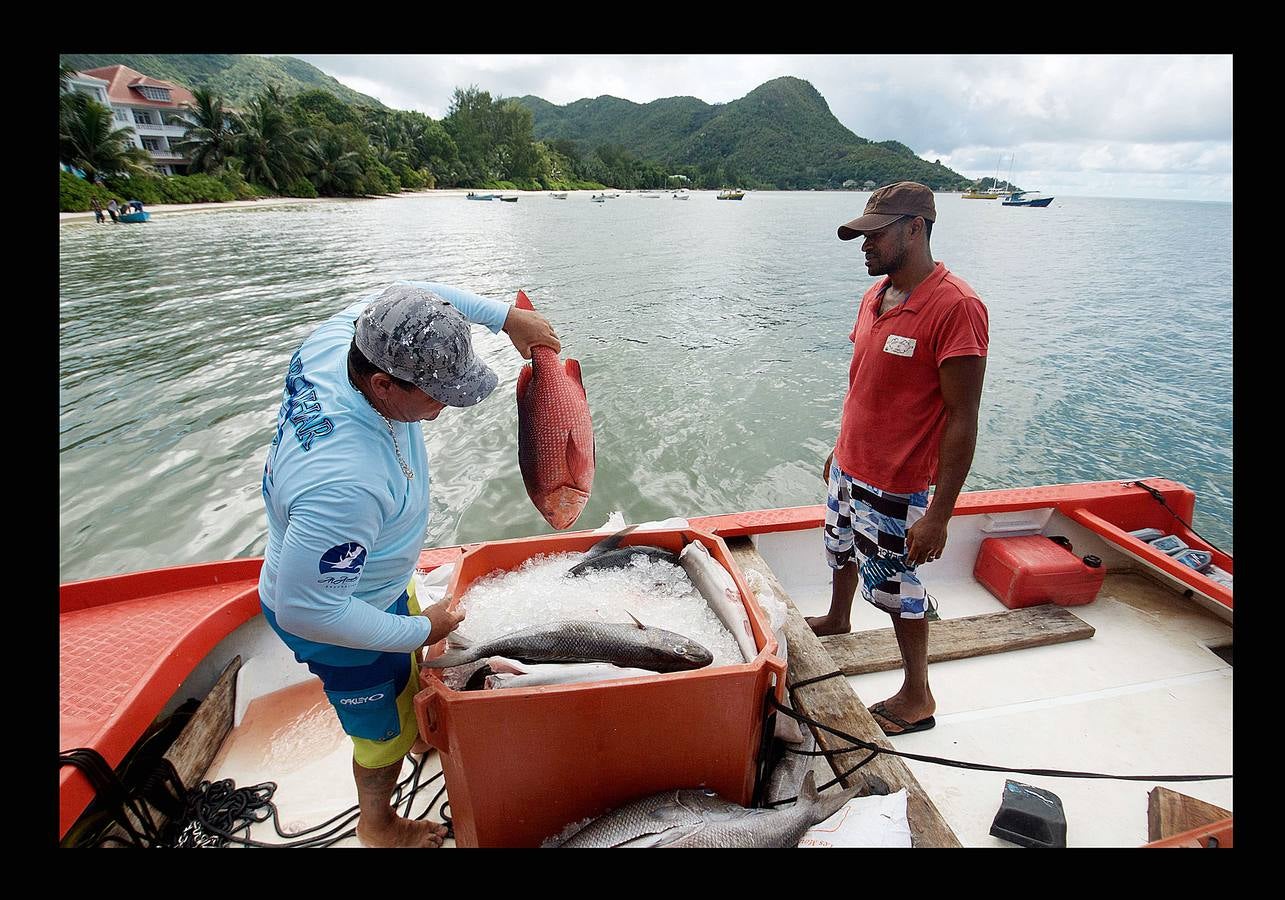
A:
(961, 390)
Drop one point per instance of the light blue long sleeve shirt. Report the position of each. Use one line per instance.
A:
(345, 524)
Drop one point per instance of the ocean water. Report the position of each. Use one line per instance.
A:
(712, 336)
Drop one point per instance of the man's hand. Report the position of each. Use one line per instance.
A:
(526, 328)
(442, 621)
(926, 539)
(825, 473)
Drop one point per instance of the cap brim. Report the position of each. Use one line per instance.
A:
(469, 390)
(872, 222)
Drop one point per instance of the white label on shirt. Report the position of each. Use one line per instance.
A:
(899, 346)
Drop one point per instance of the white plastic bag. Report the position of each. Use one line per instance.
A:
(874, 821)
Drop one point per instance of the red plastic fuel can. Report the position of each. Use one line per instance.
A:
(1028, 571)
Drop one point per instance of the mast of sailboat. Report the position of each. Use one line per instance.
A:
(1010, 172)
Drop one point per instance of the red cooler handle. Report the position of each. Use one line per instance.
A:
(777, 666)
(435, 722)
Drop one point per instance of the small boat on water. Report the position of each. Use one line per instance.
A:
(731, 195)
(473, 196)
(138, 216)
(509, 199)
(559, 195)
(1027, 198)
(682, 195)
(1135, 679)
(981, 195)
(598, 198)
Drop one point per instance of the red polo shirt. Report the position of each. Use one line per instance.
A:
(894, 416)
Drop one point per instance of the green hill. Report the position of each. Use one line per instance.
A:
(236, 76)
(782, 134)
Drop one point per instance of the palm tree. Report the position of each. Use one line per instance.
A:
(211, 133)
(268, 144)
(87, 141)
(334, 167)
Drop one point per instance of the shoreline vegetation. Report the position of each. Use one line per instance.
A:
(313, 144)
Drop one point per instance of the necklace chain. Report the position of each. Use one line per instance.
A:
(406, 469)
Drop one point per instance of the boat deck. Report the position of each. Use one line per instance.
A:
(1145, 695)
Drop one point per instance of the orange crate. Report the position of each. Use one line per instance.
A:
(523, 763)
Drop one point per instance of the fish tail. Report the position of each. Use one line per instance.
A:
(457, 657)
(823, 807)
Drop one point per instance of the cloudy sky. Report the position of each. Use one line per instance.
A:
(1111, 125)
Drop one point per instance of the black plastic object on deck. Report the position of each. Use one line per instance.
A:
(1030, 816)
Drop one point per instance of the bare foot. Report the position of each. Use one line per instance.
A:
(823, 625)
(399, 832)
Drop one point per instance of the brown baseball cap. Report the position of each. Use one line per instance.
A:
(890, 203)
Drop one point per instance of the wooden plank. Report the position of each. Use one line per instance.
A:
(862, 652)
(196, 745)
(834, 702)
(1170, 813)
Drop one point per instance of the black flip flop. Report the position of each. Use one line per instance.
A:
(906, 727)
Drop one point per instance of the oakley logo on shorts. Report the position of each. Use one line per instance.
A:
(355, 701)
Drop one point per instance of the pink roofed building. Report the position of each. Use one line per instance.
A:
(145, 105)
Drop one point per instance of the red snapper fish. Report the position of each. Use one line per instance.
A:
(555, 434)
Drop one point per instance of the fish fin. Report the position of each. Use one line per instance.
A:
(523, 301)
(577, 459)
(572, 367)
(608, 543)
(808, 793)
(635, 618)
(524, 380)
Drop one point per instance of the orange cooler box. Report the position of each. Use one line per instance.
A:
(523, 763)
(1028, 571)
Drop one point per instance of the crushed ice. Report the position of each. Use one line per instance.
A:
(655, 592)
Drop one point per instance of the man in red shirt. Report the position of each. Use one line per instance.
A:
(909, 421)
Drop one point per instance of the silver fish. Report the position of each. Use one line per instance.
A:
(701, 818)
(608, 554)
(629, 646)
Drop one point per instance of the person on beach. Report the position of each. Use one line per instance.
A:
(909, 421)
(112, 206)
(346, 486)
(136, 206)
(96, 205)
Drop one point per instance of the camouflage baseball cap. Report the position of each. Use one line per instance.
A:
(417, 336)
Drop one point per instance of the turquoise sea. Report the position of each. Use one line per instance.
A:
(712, 336)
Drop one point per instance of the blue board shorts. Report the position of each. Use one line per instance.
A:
(373, 692)
(866, 525)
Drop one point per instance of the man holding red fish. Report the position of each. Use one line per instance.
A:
(346, 491)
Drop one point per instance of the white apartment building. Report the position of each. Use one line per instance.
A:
(144, 104)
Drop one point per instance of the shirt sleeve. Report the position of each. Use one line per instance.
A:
(326, 542)
(478, 310)
(964, 331)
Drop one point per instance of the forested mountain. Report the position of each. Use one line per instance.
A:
(782, 134)
(237, 77)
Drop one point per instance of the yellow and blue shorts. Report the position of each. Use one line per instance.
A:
(372, 692)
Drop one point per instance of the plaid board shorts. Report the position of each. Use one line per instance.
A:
(865, 524)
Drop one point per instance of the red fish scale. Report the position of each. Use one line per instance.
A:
(554, 411)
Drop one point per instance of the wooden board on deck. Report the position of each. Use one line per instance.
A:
(196, 745)
(862, 652)
(1170, 813)
(834, 702)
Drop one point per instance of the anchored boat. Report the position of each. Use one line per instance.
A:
(1114, 658)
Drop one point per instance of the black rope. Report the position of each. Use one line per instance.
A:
(875, 749)
(215, 814)
(1159, 497)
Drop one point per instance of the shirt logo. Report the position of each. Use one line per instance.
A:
(899, 346)
(344, 558)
